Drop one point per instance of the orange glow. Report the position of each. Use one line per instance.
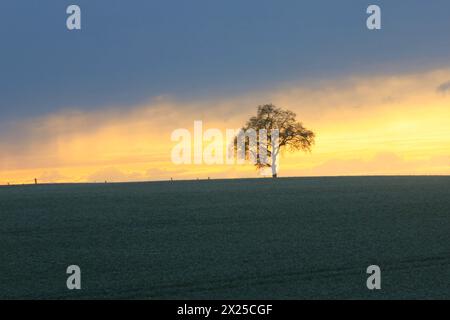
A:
(364, 126)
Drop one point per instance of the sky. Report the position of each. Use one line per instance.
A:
(101, 103)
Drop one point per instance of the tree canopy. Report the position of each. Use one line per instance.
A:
(283, 132)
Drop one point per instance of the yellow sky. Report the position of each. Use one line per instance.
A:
(364, 126)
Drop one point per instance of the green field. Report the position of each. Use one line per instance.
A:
(290, 238)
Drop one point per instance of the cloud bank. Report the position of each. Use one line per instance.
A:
(358, 121)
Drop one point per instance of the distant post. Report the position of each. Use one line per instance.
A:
(35, 181)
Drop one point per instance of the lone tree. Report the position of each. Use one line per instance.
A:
(282, 131)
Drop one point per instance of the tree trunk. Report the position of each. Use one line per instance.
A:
(275, 149)
(274, 166)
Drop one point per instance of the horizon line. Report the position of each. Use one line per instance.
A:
(228, 179)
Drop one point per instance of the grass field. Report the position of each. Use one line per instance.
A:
(291, 238)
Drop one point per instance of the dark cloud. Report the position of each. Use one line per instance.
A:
(128, 53)
(444, 88)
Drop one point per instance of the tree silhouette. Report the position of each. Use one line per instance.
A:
(283, 132)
